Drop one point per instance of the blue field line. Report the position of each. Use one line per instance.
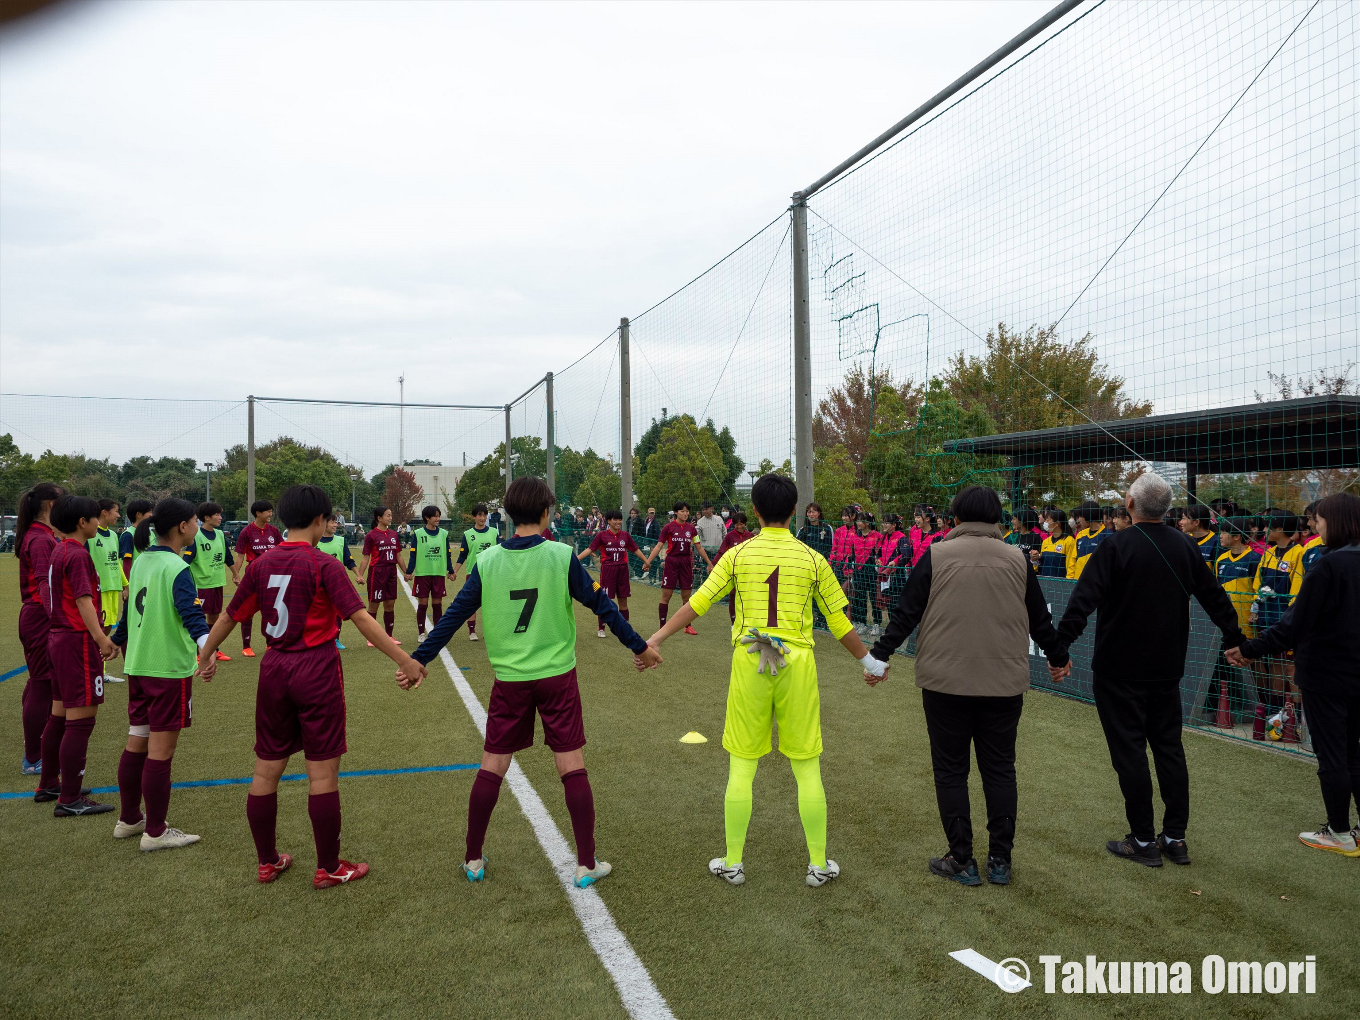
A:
(197, 783)
(12, 673)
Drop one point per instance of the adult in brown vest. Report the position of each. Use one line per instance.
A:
(977, 603)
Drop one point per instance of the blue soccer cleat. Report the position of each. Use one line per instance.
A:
(586, 877)
(30, 768)
(339, 645)
(475, 870)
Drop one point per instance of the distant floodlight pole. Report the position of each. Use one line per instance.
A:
(625, 422)
(401, 421)
(353, 505)
(802, 359)
(207, 486)
(250, 452)
(507, 447)
(551, 476)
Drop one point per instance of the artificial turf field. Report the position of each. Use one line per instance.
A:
(93, 928)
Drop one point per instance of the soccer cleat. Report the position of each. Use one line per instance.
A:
(734, 875)
(1325, 839)
(817, 877)
(109, 678)
(268, 872)
(420, 634)
(1173, 850)
(875, 630)
(601, 633)
(998, 871)
(339, 645)
(222, 656)
(947, 867)
(249, 653)
(475, 870)
(691, 630)
(473, 636)
(1129, 849)
(41, 796)
(586, 877)
(30, 768)
(370, 644)
(80, 806)
(122, 830)
(345, 872)
(170, 839)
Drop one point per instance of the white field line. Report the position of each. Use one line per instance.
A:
(639, 993)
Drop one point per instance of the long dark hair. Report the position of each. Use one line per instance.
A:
(169, 514)
(378, 511)
(1341, 511)
(30, 509)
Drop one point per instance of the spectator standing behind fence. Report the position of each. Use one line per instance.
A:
(1140, 582)
(977, 603)
(817, 535)
(1322, 629)
(711, 530)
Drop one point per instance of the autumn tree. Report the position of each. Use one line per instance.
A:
(845, 416)
(401, 493)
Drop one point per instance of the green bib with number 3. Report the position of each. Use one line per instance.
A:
(157, 643)
(527, 618)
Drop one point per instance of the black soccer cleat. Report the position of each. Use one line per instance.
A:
(1174, 850)
(80, 807)
(998, 871)
(1129, 849)
(963, 873)
(41, 796)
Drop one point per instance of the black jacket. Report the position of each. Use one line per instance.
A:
(1140, 581)
(1322, 626)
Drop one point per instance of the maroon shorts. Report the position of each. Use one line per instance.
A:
(160, 703)
(300, 704)
(33, 632)
(614, 581)
(77, 669)
(678, 572)
(510, 715)
(211, 599)
(431, 586)
(382, 583)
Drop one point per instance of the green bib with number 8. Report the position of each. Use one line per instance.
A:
(527, 617)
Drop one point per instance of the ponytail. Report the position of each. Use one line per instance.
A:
(31, 508)
(169, 514)
(378, 511)
(141, 536)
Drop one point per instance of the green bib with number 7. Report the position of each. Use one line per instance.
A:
(527, 618)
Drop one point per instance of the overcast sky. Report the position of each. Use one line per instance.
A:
(212, 199)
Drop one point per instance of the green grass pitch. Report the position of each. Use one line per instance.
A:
(93, 928)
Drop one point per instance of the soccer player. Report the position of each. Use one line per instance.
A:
(333, 544)
(775, 579)
(137, 509)
(78, 648)
(864, 558)
(842, 541)
(161, 630)
(1195, 521)
(525, 588)
(255, 539)
(613, 545)
(677, 546)
(1091, 531)
(209, 557)
(105, 551)
(431, 561)
(382, 547)
(34, 543)
(300, 701)
(733, 538)
(1057, 557)
(1279, 576)
(476, 539)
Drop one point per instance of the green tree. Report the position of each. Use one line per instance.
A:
(582, 478)
(728, 466)
(279, 464)
(835, 481)
(684, 465)
(484, 481)
(18, 472)
(845, 416)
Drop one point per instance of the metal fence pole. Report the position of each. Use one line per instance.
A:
(551, 438)
(508, 469)
(802, 360)
(625, 423)
(250, 452)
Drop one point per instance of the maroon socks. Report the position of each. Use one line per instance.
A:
(156, 792)
(74, 743)
(37, 706)
(262, 812)
(324, 810)
(472, 629)
(436, 611)
(732, 609)
(420, 618)
(624, 612)
(389, 618)
(51, 750)
(581, 807)
(486, 789)
(661, 610)
(245, 632)
(130, 786)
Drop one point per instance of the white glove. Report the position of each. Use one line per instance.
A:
(873, 666)
(770, 649)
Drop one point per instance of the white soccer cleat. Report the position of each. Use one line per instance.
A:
(475, 870)
(586, 877)
(734, 875)
(1325, 839)
(820, 876)
(122, 830)
(601, 633)
(170, 839)
(473, 636)
(109, 678)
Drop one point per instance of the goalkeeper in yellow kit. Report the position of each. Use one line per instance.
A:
(774, 579)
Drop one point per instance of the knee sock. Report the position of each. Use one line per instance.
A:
(599, 622)
(812, 806)
(472, 626)
(156, 792)
(486, 790)
(436, 611)
(74, 743)
(624, 612)
(732, 609)
(389, 618)
(420, 618)
(661, 610)
(324, 810)
(51, 751)
(737, 805)
(581, 807)
(245, 633)
(262, 812)
(130, 786)
(37, 706)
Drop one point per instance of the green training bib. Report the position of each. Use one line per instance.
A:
(157, 645)
(527, 618)
(333, 546)
(209, 566)
(477, 543)
(108, 565)
(431, 553)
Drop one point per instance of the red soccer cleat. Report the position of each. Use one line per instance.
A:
(223, 658)
(269, 872)
(691, 630)
(249, 653)
(346, 872)
(370, 644)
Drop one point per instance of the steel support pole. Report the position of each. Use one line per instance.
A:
(508, 469)
(625, 423)
(551, 476)
(802, 362)
(250, 452)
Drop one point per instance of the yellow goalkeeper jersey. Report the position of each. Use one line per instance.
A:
(775, 578)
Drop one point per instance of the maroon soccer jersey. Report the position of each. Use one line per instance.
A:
(733, 537)
(70, 575)
(613, 548)
(382, 547)
(35, 554)
(254, 541)
(299, 591)
(679, 538)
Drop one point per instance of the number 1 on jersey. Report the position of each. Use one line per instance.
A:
(772, 617)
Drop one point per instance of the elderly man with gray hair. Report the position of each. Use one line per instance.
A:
(1139, 582)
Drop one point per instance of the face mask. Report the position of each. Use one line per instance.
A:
(1048, 525)
(724, 515)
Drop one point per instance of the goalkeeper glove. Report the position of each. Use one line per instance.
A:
(770, 649)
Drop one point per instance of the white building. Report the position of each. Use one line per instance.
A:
(437, 482)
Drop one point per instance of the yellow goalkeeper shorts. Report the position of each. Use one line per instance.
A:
(755, 701)
(111, 603)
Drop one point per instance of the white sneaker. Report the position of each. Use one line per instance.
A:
(122, 830)
(875, 630)
(734, 875)
(820, 876)
(1325, 839)
(601, 633)
(473, 636)
(109, 678)
(170, 839)
(589, 876)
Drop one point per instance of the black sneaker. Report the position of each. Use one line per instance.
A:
(41, 796)
(1174, 849)
(1129, 849)
(998, 871)
(948, 867)
(82, 806)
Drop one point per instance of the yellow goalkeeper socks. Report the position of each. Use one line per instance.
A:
(737, 806)
(811, 806)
